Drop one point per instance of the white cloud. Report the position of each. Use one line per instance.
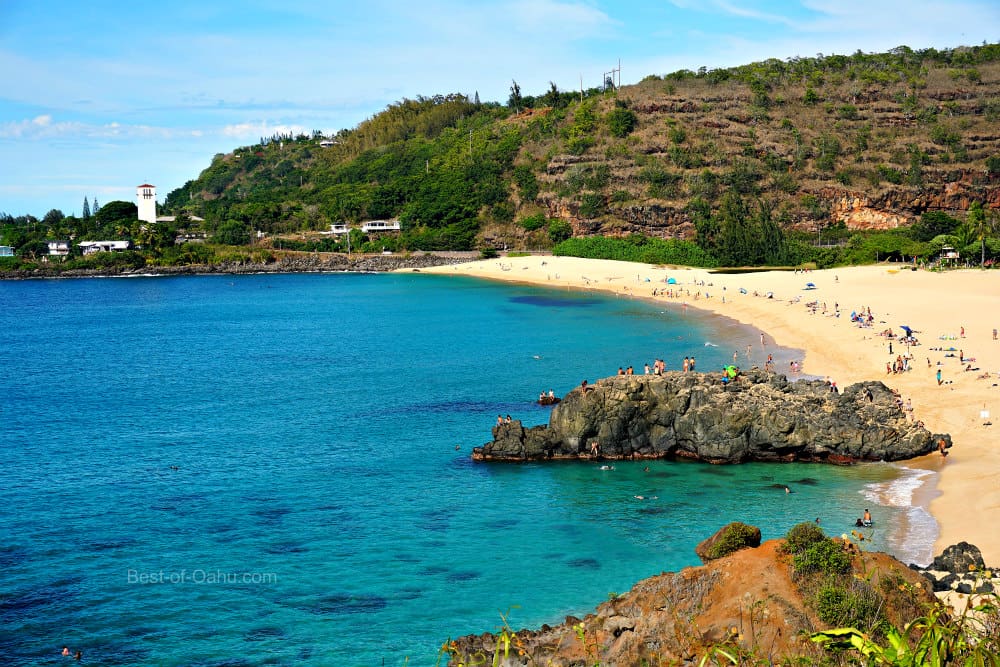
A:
(260, 129)
(43, 127)
(569, 19)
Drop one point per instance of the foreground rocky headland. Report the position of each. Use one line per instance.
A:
(757, 600)
(758, 417)
(285, 263)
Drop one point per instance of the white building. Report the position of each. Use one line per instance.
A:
(90, 247)
(380, 226)
(339, 228)
(59, 248)
(145, 198)
(6, 251)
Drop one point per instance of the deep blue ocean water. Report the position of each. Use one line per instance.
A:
(275, 469)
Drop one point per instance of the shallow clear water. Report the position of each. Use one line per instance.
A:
(274, 469)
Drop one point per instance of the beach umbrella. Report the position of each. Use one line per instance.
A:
(908, 330)
(671, 281)
(810, 285)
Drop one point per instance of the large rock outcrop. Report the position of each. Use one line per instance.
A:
(749, 599)
(759, 417)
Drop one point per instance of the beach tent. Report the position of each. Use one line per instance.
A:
(743, 290)
(810, 286)
(671, 281)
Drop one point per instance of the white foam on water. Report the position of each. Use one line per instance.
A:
(913, 540)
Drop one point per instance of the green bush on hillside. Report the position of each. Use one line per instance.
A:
(735, 536)
(801, 536)
(826, 556)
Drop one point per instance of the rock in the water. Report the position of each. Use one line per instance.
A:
(759, 417)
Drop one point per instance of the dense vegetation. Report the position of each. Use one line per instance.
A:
(759, 164)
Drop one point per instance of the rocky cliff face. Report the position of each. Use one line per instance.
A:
(759, 417)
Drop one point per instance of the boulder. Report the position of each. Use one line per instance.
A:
(959, 559)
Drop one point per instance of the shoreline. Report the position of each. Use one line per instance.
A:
(962, 496)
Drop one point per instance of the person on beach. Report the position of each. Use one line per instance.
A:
(691, 365)
(508, 420)
(939, 377)
(686, 365)
(621, 371)
(867, 518)
(499, 420)
(65, 650)
(583, 388)
(942, 446)
(994, 334)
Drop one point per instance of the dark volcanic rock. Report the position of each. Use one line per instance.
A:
(759, 417)
(287, 262)
(959, 559)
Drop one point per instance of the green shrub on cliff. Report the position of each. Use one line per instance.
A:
(826, 556)
(734, 537)
(802, 536)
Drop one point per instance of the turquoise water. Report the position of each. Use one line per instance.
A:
(274, 469)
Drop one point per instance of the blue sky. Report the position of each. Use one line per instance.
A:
(97, 97)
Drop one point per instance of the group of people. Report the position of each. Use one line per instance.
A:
(900, 365)
(76, 656)
(504, 420)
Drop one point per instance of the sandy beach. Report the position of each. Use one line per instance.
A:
(957, 309)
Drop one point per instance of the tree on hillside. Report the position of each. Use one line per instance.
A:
(515, 99)
(116, 211)
(53, 218)
(977, 222)
(86, 209)
(933, 223)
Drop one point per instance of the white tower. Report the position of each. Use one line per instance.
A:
(145, 196)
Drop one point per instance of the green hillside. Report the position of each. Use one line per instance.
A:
(818, 148)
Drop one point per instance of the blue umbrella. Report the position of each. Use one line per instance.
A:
(810, 286)
(908, 330)
(671, 281)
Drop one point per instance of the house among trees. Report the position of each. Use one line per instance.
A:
(339, 228)
(59, 248)
(6, 251)
(90, 247)
(173, 218)
(380, 226)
